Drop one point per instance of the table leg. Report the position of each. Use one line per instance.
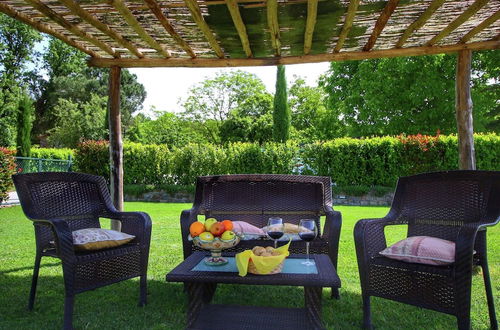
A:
(199, 294)
(313, 296)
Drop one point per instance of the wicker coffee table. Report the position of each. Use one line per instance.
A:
(201, 284)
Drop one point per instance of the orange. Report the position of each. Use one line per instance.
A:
(196, 228)
(228, 224)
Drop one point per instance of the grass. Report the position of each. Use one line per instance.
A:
(115, 306)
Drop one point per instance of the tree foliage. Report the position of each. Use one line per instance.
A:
(24, 125)
(281, 112)
(230, 95)
(407, 94)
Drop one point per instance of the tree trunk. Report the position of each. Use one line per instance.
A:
(115, 143)
(463, 105)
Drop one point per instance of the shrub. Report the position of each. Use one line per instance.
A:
(52, 153)
(92, 157)
(7, 169)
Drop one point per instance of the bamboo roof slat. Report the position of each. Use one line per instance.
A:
(312, 11)
(194, 8)
(274, 28)
(45, 29)
(349, 18)
(419, 22)
(380, 24)
(134, 23)
(478, 4)
(197, 33)
(51, 14)
(232, 6)
(77, 10)
(484, 24)
(156, 9)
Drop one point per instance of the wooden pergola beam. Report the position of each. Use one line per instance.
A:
(380, 24)
(156, 9)
(417, 24)
(312, 12)
(202, 24)
(349, 19)
(341, 56)
(232, 6)
(134, 24)
(483, 25)
(274, 27)
(7, 10)
(77, 10)
(474, 8)
(463, 106)
(51, 14)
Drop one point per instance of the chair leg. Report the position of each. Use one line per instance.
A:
(463, 322)
(335, 293)
(489, 296)
(143, 291)
(34, 281)
(367, 317)
(69, 302)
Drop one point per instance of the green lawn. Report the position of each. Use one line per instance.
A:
(115, 307)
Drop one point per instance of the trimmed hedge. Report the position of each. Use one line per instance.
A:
(349, 162)
(52, 153)
(7, 169)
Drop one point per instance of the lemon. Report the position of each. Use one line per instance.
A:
(206, 236)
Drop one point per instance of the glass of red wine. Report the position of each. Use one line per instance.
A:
(307, 232)
(275, 229)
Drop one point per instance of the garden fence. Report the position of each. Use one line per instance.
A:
(33, 165)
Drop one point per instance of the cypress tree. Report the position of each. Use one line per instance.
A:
(24, 124)
(281, 113)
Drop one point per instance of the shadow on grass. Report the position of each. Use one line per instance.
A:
(115, 306)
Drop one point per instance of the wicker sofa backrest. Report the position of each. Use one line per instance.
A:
(254, 198)
(438, 204)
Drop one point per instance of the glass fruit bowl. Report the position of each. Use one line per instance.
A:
(215, 246)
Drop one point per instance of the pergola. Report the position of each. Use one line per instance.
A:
(234, 33)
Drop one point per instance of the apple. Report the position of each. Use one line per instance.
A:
(217, 229)
(209, 223)
(228, 235)
(206, 236)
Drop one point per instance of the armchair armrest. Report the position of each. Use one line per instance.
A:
(63, 237)
(369, 235)
(331, 231)
(134, 223)
(187, 218)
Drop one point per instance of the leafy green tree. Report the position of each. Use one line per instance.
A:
(167, 129)
(69, 78)
(17, 49)
(232, 94)
(76, 122)
(311, 118)
(24, 124)
(406, 95)
(281, 112)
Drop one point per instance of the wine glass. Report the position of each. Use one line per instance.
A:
(275, 229)
(307, 232)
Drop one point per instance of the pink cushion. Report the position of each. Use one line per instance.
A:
(246, 228)
(422, 250)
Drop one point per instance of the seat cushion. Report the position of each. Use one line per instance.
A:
(99, 238)
(423, 250)
(249, 231)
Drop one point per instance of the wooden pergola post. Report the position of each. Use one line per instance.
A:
(115, 142)
(463, 105)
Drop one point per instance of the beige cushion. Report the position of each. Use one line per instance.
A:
(422, 250)
(98, 238)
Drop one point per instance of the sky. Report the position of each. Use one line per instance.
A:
(165, 86)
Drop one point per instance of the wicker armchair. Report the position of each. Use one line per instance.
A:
(256, 197)
(59, 203)
(456, 206)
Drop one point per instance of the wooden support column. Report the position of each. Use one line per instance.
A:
(115, 142)
(463, 105)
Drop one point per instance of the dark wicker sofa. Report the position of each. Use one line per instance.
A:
(256, 197)
(59, 203)
(455, 206)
